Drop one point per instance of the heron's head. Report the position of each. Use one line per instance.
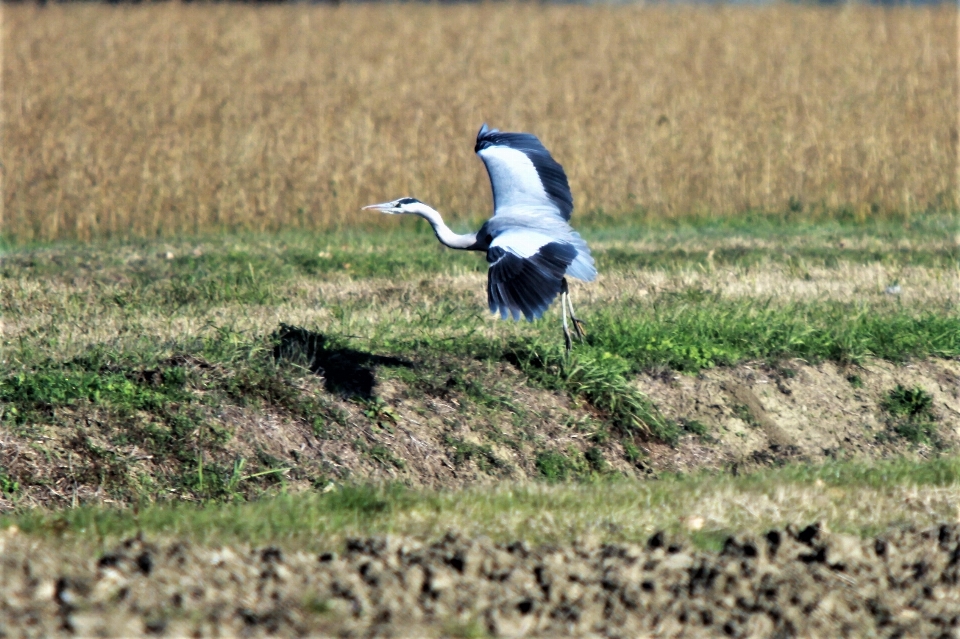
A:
(403, 205)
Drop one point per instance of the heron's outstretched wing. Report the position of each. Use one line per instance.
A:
(522, 173)
(526, 271)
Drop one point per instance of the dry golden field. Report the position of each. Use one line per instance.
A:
(175, 118)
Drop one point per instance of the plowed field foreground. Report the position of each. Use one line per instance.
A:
(786, 583)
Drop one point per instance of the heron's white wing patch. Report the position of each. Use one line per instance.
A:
(514, 179)
(521, 242)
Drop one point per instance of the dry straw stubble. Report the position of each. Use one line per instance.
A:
(179, 118)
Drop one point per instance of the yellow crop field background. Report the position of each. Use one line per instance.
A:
(177, 118)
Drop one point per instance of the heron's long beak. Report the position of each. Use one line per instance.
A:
(386, 207)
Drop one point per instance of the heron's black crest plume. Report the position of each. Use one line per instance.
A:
(407, 200)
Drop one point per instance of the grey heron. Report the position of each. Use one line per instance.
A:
(531, 248)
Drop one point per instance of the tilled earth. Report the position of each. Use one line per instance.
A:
(786, 583)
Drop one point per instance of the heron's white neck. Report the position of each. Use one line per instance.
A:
(442, 231)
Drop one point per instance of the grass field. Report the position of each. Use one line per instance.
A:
(153, 120)
(227, 367)
(213, 365)
(848, 497)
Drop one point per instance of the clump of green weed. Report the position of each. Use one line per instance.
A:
(385, 457)
(553, 466)
(911, 414)
(316, 605)
(631, 452)
(742, 412)
(481, 454)
(8, 486)
(601, 379)
(785, 372)
(594, 457)
(378, 411)
(696, 428)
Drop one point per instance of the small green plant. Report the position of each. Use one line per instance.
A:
(375, 409)
(631, 452)
(385, 457)
(8, 485)
(553, 466)
(909, 402)
(697, 428)
(741, 411)
(786, 373)
(601, 378)
(594, 457)
(378, 411)
(481, 454)
(316, 605)
(855, 380)
(911, 414)
(601, 435)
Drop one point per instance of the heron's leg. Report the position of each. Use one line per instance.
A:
(563, 314)
(577, 323)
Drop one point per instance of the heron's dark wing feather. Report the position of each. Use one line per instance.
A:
(523, 173)
(526, 285)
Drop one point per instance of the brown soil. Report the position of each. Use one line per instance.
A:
(786, 583)
(435, 436)
(759, 414)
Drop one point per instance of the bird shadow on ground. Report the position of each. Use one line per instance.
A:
(345, 371)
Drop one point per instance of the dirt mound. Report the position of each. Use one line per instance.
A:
(758, 414)
(463, 422)
(786, 583)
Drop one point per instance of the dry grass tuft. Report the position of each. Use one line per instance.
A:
(177, 118)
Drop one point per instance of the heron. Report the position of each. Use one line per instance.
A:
(531, 247)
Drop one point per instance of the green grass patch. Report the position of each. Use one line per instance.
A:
(860, 498)
(911, 414)
(721, 332)
(9, 487)
(601, 379)
(554, 466)
(481, 454)
(254, 269)
(28, 393)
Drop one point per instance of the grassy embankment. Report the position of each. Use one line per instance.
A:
(161, 350)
